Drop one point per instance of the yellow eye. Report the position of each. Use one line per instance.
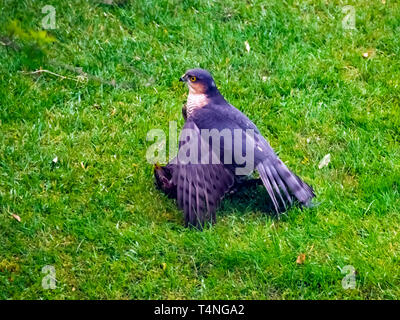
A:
(193, 79)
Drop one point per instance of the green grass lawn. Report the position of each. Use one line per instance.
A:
(312, 88)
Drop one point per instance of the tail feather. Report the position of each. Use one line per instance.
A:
(266, 180)
(283, 184)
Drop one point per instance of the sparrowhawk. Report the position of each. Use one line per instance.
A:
(199, 185)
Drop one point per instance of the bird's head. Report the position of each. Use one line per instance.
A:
(199, 81)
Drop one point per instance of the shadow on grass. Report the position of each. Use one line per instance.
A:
(253, 198)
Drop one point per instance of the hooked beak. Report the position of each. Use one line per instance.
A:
(182, 79)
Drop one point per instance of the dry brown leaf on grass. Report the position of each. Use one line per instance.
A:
(301, 258)
(370, 53)
(16, 217)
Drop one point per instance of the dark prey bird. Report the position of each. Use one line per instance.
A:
(199, 186)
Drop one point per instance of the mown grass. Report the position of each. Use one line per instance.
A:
(95, 214)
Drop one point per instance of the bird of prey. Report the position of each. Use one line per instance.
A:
(199, 185)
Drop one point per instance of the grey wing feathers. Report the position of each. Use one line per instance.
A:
(200, 187)
(282, 185)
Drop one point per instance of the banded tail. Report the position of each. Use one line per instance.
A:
(283, 186)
